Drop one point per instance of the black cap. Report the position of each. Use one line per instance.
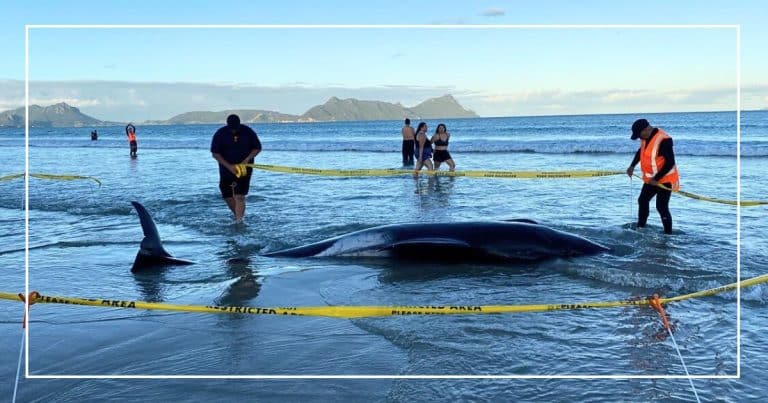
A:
(637, 127)
(233, 121)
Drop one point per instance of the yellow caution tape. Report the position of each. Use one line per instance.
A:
(472, 174)
(376, 311)
(744, 203)
(50, 177)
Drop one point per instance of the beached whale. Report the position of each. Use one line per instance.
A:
(513, 240)
(151, 252)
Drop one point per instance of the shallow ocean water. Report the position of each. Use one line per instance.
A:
(83, 239)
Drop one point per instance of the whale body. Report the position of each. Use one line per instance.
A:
(518, 240)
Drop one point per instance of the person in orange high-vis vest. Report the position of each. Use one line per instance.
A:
(130, 131)
(657, 161)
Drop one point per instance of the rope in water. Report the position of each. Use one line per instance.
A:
(49, 177)
(240, 170)
(377, 311)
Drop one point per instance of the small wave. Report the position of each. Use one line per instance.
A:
(66, 244)
(592, 147)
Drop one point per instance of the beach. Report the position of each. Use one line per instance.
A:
(83, 238)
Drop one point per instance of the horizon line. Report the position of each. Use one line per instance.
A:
(149, 122)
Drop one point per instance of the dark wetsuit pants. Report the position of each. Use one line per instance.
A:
(408, 146)
(662, 205)
(230, 186)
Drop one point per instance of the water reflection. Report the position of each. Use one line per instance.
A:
(238, 266)
(433, 192)
(151, 285)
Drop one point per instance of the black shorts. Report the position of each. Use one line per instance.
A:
(441, 156)
(241, 185)
(133, 145)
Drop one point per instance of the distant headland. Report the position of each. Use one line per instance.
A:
(333, 110)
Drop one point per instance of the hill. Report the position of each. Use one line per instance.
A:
(58, 115)
(333, 110)
(336, 109)
(246, 116)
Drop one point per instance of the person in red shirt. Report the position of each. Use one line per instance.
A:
(130, 132)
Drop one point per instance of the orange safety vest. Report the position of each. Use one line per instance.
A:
(651, 162)
(131, 136)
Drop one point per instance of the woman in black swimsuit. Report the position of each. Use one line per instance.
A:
(440, 140)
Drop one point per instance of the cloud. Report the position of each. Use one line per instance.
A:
(79, 102)
(493, 12)
(548, 101)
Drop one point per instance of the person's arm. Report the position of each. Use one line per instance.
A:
(216, 154)
(255, 147)
(634, 162)
(421, 147)
(224, 163)
(254, 152)
(665, 149)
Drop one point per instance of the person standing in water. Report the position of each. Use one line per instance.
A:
(130, 132)
(440, 140)
(232, 145)
(94, 135)
(657, 161)
(423, 149)
(408, 143)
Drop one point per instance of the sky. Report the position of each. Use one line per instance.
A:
(137, 74)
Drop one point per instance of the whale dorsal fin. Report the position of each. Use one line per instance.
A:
(151, 251)
(151, 244)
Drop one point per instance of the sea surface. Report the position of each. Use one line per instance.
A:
(83, 239)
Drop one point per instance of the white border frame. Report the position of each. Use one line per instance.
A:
(737, 27)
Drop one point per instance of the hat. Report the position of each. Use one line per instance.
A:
(637, 127)
(233, 121)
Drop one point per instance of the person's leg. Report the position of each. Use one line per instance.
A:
(231, 204)
(643, 202)
(662, 206)
(226, 187)
(239, 209)
(406, 152)
(437, 165)
(429, 165)
(240, 191)
(451, 164)
(417, 169)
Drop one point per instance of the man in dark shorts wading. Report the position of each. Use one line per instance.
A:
(232, 145)
(409, 141)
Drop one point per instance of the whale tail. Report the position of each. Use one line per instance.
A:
(151, 252)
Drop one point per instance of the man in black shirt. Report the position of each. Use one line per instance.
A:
(657, 161)
(232, 145)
